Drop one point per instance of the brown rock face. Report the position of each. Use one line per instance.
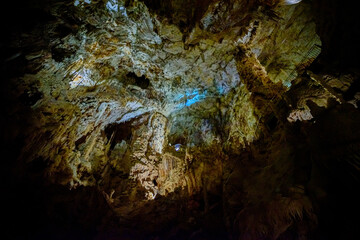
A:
(175, 119)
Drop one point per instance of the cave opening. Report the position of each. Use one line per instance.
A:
(272, 122)
(118, 132)
(141, 81)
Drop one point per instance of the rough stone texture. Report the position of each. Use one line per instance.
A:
(177, 120)
(287, 45)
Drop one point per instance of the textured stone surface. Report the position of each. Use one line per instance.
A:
(181, 119)
(286, 46)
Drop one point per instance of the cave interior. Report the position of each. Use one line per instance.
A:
(180, 119)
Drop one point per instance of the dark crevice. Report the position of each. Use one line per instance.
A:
(154, 182)
(30, 98)
(80, 141)
(141, 82)
(63, 30)
(272, 122)
(353, 89)
(59, 54)
(38, 165)
(117, 132)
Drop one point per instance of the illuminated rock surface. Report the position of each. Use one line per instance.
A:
(180, 120)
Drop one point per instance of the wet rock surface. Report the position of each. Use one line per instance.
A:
(177, 120)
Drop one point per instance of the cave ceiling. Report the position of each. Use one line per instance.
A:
(109, 64)
(147, 101)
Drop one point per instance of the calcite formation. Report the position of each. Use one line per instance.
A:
(179, 111)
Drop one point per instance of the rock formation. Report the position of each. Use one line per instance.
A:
(221, 119)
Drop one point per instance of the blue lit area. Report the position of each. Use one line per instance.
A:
(189, 98)
(177, 146)
(112, 6)
(78, 2)
(194, 97)
(123, 10)
(222, 88)
(291, 2)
